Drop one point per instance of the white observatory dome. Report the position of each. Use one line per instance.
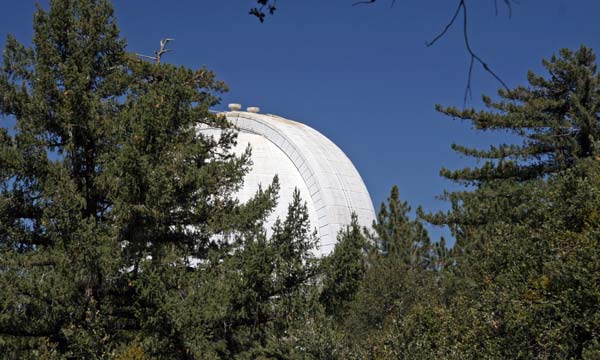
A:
(304, 159)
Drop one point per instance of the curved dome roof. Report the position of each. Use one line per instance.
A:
(304, 159)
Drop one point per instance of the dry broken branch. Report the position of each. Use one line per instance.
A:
(158, 54)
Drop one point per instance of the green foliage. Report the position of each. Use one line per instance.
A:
(344, 269)
(131, 352)
(557, 118)
(406, 241)
(119, 235)
(524, 282)
(403, 271)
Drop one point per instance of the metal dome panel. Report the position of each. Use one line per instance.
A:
(326, 178)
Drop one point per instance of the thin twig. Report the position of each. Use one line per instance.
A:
(448, 26)
(474, 56)
(146, 56)
(468, 91)
(462, 7)
(364, 2)
(508, 6)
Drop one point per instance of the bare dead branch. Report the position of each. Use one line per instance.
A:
(363, 2)
(474, 56)
(468, 91)
(508, 6)
(448, 26)
(158, 54)
(146, 56)
(462, 8)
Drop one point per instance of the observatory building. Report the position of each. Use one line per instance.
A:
(306, 160)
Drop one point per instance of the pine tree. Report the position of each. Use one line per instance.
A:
(397, 236)
(279, 293)
(556, 117)
(57, 253)
(525, 260)
(239, 304)
(344, 269)
(403, 271)
(111, 205)
(557, 121)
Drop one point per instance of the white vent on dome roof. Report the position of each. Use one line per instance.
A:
(253, 109)
(234, 107)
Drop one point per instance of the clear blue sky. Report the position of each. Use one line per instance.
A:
(361, 75)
